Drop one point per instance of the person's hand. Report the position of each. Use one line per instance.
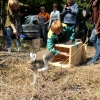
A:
(94, 3)
(45, 23)
(69, 42)
(26, 5)
(96, 31)
(64, 54)
(84, 15)
(15, 31)
(48, 27)
(38, 22)
(67, 8)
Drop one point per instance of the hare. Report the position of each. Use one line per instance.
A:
(39, 62)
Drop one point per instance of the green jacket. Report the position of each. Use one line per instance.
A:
(66, 34)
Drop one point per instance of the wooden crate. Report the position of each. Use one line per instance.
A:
(75, 55)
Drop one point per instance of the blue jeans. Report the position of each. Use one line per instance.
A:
(9, 33)
(43, 33)
(96, 43)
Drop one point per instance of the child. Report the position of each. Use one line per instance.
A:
(59, 32)
(13, 24)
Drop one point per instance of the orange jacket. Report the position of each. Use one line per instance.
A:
(46, 15)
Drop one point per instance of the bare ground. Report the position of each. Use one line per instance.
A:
(78, 83)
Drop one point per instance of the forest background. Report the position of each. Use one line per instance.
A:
(34, 8)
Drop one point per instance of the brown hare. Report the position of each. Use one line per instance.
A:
(39, 62)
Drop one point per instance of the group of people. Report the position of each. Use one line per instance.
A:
(13, 20)
(51, 29)
(45, 20)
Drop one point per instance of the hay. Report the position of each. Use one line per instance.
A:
(54, 84)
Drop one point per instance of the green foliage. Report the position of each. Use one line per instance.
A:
(34, 7)
(89, 25)
(35, 4)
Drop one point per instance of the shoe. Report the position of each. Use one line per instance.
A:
(19, 50)
(89, 63)
(9, 50)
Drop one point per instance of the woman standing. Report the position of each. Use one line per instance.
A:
(43, 19)
(54, 15)
(13, 24)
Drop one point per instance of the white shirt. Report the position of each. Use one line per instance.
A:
(84, 12)
(54, 15)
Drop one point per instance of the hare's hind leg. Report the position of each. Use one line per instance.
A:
(45, 65)
(35, 78)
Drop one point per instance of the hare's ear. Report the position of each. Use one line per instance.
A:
(32, 56)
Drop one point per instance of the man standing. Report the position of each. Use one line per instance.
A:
(69, 13)
(95, 37)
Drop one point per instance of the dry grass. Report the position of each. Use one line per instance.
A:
(78, 83)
